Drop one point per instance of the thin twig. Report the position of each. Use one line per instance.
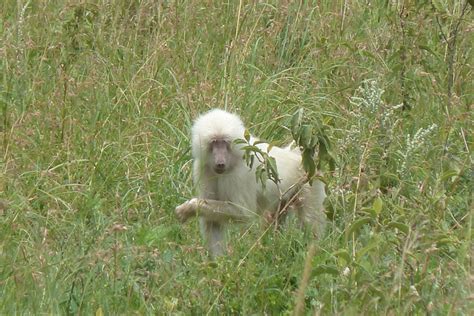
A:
(299, 306)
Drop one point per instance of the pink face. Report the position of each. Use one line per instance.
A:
(221, 156)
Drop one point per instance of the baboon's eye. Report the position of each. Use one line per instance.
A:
(212, 144)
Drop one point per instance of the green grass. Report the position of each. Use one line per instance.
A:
(96, 103)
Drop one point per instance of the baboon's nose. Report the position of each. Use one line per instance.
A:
(220, 167)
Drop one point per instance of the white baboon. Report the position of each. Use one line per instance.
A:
(227, 187)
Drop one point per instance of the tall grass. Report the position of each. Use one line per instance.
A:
(97, 99)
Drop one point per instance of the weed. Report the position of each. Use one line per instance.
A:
(96, 103)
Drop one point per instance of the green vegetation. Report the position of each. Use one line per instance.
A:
(96, 102)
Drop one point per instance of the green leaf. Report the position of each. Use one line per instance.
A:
(343, 254)
(368, 54)
(377, 205)
(252, 160)
(240, 141)
(314, 141)
(306, 136)
(444, 240)
(324, 153)
(99, 312)
(373, 243)
(325, 269)
(439, 6)
(400, 226)
(272, 168)
(356, 226)
(270, 146)
(308, 162)
(252, 148)
(428, 49)
(296, 121)
(263, 176)
(247, 135)
(449, 174)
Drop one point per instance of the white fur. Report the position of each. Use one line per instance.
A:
(236, 194)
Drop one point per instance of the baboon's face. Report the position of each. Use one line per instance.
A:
(221, 156)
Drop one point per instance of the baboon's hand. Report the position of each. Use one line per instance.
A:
(186, 210)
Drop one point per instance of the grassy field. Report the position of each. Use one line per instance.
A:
(96, 102)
